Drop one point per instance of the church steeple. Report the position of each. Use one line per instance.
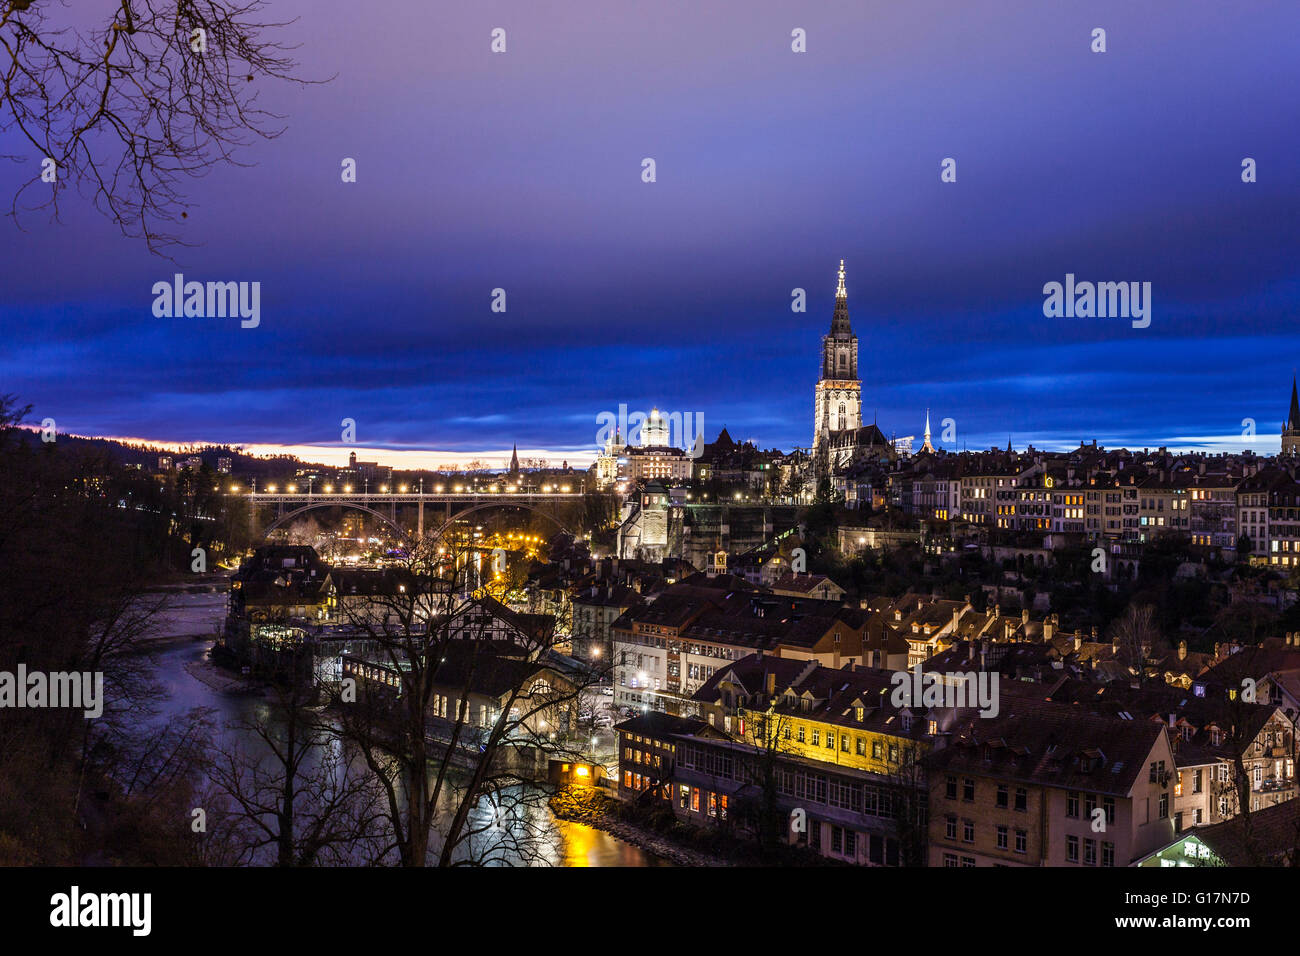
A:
(1291, 427)
(926, 446)
(840, 320)
(514, 460)
(838, 407)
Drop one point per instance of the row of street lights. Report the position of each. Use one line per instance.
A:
(402, 489)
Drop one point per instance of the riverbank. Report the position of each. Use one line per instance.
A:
(219, 679)
(596, 810)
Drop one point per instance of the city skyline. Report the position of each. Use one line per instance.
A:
(376, 295)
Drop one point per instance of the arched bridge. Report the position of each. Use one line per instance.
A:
(455, 505)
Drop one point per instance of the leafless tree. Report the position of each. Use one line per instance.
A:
(285, 792)
(456, 784)
(1138, 637)
(128, 98)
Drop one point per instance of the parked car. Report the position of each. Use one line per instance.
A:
(607, 691)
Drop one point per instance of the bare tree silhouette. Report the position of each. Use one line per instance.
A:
(128, 101)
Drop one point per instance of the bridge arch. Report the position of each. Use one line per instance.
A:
(486, 505)
(283, 519)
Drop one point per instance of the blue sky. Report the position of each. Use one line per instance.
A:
(522, 171)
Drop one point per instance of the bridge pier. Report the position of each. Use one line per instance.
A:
(419, 526)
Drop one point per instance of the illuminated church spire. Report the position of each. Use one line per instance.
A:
(838, 407)
(926, 446)
(840, 320)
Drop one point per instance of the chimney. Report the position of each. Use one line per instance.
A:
(1049, 627)
(1078, 642)
(1182, 650)
(956, 616)
(1024, 615)
(771, 683)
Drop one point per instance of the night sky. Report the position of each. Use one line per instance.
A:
(523, 171)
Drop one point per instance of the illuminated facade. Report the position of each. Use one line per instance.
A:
(838, 405)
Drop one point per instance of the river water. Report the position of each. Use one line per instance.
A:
(185, 634)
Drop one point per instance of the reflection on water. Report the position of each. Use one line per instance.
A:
(585, 846)
(575, 844)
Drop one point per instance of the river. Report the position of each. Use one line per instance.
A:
(185, 634)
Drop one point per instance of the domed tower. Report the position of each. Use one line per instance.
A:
(654, 432)
(838, 404)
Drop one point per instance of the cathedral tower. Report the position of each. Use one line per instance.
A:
(1291, 427)
(838, 405)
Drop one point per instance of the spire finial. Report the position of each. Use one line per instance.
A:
(925, 445)
(840, 293)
